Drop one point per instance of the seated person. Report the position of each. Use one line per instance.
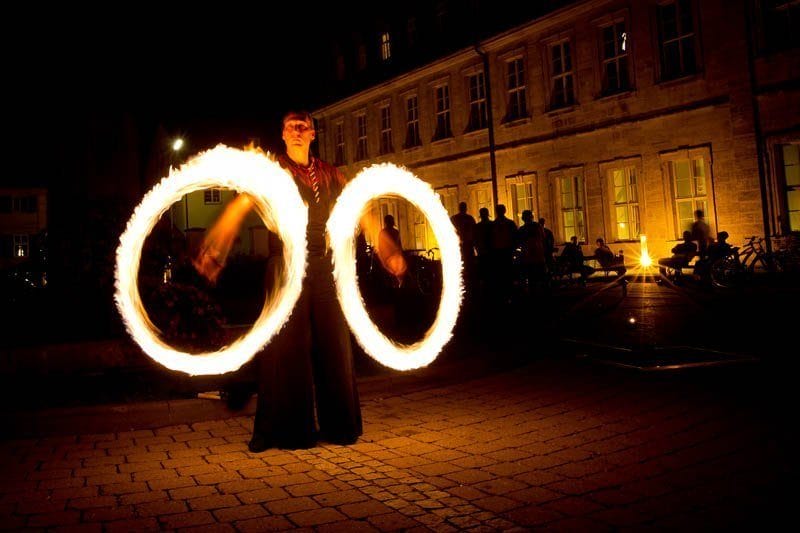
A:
(606, 258)
(572, 258)
(720, 248)
(682, 253)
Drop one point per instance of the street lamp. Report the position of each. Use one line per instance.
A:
(177, 144)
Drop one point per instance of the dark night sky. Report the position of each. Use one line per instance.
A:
(213, 75)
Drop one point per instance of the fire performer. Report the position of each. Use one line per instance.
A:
(311, 358)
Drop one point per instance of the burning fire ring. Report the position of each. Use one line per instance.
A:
(269, 185)
(388, 179)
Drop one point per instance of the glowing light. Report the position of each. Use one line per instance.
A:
(380, 180)
(279, 204)
(177, 145)
(644, 257)
(624, 40)
(632, 320)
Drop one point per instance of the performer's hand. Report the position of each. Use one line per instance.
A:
(217, 244)
(208, 264)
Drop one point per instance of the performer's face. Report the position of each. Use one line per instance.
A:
(298, 134)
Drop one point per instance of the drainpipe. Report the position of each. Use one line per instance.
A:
(762, 174)
(490, 117)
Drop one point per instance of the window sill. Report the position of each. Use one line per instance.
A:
(443, 140)
(411, 149)
(562, 110)
(516, 122)
(681, 80)
(476, 133)
(619, 95)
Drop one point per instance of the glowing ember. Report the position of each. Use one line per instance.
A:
(268, 185)
(380, 180)
(644, 258)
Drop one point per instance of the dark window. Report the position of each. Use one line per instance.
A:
(676, 35)
(517, 100)
(563, 86)
(478, 118)
(5, 204)
(412, 123)
(442, 113)
(211, 196)
(781, 24)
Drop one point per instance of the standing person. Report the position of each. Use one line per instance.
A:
(483, 245)
(504, 238)
(390, 253)
(701, 233)
(549, 246)
(465, 228)
(531, 242)
(310, 361)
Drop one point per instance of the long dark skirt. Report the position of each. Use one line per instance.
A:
(310, 362)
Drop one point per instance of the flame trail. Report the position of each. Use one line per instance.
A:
(278, 202)
(388, 179)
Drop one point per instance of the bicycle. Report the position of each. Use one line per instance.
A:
(425, 269)
(740, 265)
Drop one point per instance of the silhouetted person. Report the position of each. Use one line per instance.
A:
(606, 258)
(390, 232)
(682, 253)
(483, 245)
(701, 233)
(572, 259)
(465, 228)
(530, 237)
(390, 252)
(504, 237)
(549, 246)
(719, 249)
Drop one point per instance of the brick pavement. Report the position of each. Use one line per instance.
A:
(557, 444)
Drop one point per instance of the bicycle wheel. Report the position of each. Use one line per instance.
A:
(727, 273)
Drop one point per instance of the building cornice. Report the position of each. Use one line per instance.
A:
(495, 43)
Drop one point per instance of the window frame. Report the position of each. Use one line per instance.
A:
(577, 176)
(339, 143)
(362, 140)
(659, 41)
(442, 107)
(605, 170)
(670, 187)
(212, 196)
(386, 145)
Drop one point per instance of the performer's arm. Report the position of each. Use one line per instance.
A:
(213, 253)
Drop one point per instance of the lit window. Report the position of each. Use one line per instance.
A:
(625, 203)
(212, 196)
(562, 79)
(517, 101)
(386, 130)
(690, 191)
(21, 246)
(791, 178)
(573, 214)
(478, 117)
(615, 59)
(386, 46)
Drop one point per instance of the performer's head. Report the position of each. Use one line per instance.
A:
(298, 131)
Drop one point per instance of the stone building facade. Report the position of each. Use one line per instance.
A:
(608, 118)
